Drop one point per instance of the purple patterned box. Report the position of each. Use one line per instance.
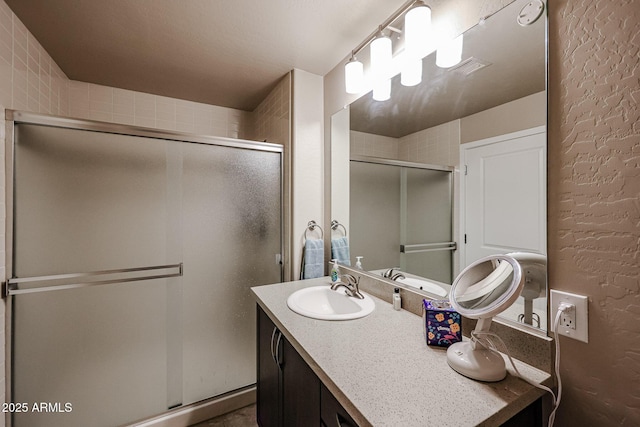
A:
(442, 324)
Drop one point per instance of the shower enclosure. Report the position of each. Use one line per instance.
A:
(130, 257)
(401, 215)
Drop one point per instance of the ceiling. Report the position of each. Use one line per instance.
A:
(517, 58)
(222, 52)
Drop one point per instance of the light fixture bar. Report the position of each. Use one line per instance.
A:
(408, 5)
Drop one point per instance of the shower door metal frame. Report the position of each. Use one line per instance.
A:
(13, 117)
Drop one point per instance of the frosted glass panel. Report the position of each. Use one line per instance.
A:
(102, 349)
(88, 201)
(231, 220)
(374, 214)
(428, 219)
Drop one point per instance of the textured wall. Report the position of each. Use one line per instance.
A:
(594, 202)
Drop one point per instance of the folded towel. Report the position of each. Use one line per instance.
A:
(312, 259)
(340, 250)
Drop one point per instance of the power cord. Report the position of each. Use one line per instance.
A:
(491, 346)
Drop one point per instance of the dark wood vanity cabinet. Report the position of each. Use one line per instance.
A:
(288, 390)
(332, 414)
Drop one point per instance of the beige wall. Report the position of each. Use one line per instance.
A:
(523, 113)
(307, 160)
(594, 210)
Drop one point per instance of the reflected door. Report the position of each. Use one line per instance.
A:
(505, 195)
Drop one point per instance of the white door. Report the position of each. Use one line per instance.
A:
(504, 195)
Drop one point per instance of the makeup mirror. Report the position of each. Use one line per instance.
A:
(481, 291)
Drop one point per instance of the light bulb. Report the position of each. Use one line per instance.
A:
(411, 73)
(380, 57)
(417, 28)
(382, 90)
(353, 76)
(450, 53)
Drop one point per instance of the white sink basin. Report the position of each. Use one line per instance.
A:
(320, 302)
(424, 285)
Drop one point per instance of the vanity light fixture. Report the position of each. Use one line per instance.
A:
(381, 55)
(354, 75)
(378, 77)
(449, 53)
(419, 41)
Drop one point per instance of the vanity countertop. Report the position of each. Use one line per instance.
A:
(383, 373)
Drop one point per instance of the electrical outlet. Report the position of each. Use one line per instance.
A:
(568, 317)
(574, 321)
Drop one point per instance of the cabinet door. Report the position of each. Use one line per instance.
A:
(332, 413)
(268, 399)
(301, 390)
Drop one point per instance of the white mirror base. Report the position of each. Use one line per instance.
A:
(476, 363)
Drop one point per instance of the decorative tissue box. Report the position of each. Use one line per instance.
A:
(442, 324)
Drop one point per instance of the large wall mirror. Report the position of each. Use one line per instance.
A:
(454, 169)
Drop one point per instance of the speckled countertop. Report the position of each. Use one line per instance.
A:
(383, 373)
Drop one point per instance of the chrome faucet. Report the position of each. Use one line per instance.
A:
(352, 286)
(398, 276)
(389, 274)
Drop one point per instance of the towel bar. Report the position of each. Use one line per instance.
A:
(428, 247)
(335, 224)
(311, 226)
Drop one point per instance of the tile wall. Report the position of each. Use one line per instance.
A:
(367, 144)
(271, 120)
(438, 145)
(104, 103)
(29, 79)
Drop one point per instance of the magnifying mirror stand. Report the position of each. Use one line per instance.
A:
(472, 359)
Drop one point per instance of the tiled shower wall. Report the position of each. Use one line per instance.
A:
(438, 145)
(29, 79)
(96, 102)
(271, 120)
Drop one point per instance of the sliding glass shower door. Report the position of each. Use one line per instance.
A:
(401, 216)
(131, 267)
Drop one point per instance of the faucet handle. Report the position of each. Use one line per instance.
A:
(387, 274)
(351, 279)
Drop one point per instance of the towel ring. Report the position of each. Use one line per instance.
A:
(335, 224)
(311, 225)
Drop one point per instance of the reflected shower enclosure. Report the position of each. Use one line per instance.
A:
(401, 215)
(133, 252)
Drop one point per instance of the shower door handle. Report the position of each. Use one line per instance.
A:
(27, 285)
(428, 247)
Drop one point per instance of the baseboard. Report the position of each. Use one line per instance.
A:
(201, 411)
